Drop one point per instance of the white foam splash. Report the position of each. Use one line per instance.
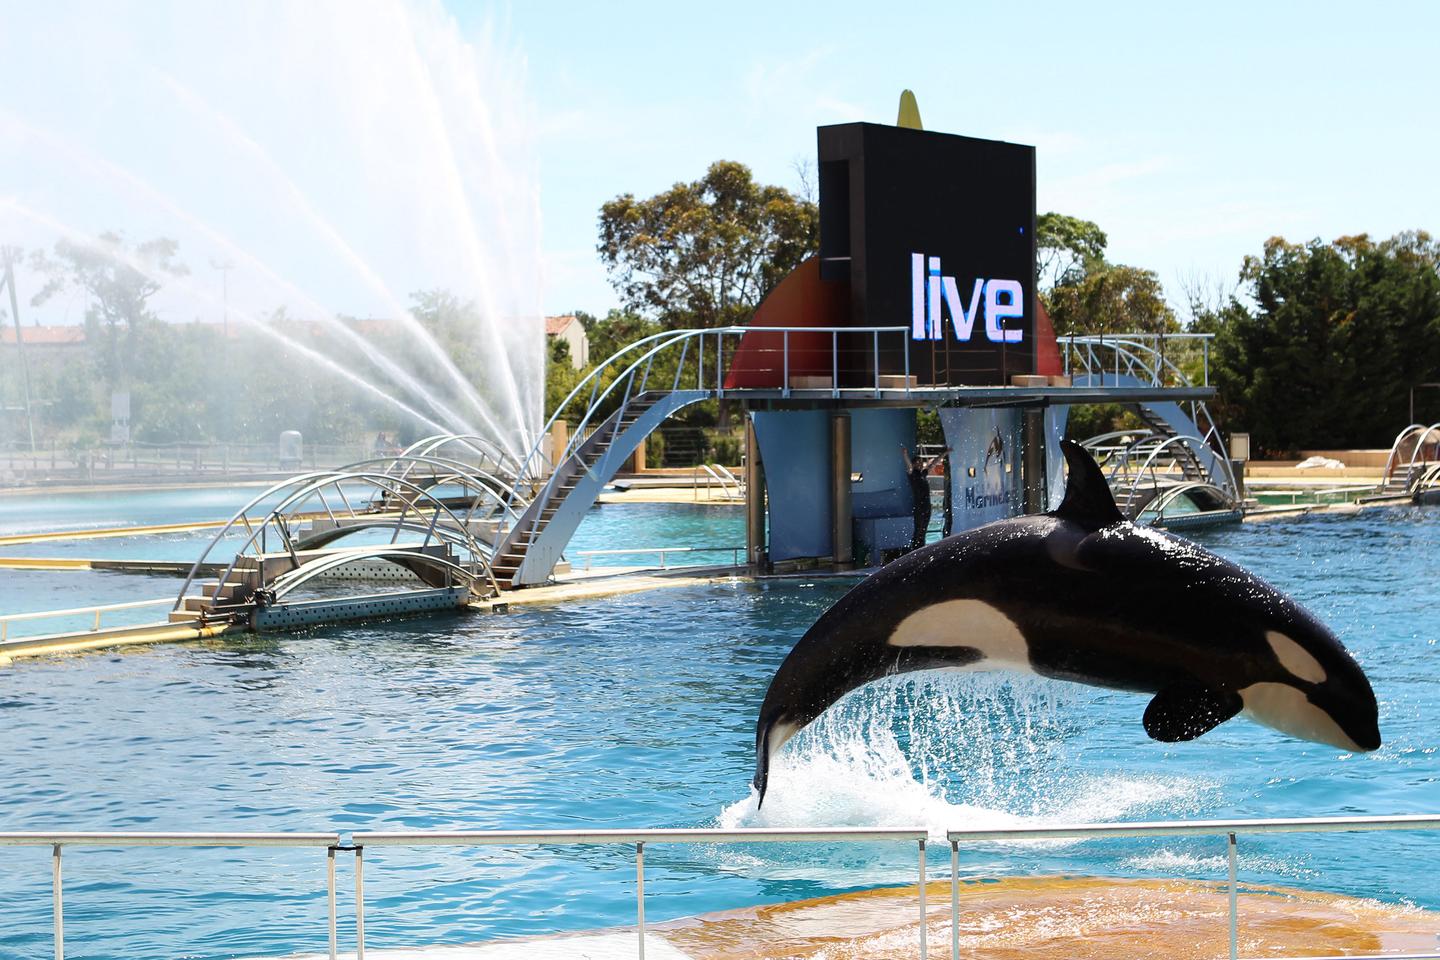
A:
(950, 751)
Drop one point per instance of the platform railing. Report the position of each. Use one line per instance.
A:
(95, 612)
(1230, 830)
(638, 839)
(1140, 355)
(58, 841)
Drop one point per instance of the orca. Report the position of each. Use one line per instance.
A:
(1083, 595)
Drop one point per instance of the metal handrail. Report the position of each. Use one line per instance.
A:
(1130, 346)
(1230, 829)
(636, 838)
(1395, 450)
(58, 840)
(98, 609)
(662, 551)
(718, 474)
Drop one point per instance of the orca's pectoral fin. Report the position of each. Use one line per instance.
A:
(1185, 711)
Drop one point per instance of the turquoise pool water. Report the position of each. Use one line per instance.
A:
(606, 527)
(638, 711)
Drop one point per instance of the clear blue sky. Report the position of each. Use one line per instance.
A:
(1190, 132)
(345, 153)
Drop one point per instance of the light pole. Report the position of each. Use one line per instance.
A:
(224, 266)
(1419, 386)
(9, 281)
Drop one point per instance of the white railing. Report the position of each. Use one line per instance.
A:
(1140, 355)
(715, 475)
(1229, 829)
(662, 551)
(58, 841)
(636, 838)
(95, 611)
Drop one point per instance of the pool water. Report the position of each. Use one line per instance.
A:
(638, 711)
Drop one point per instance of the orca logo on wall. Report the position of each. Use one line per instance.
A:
(1000, 300)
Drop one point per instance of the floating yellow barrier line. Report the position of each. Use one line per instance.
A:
(104, 532)
(101, 533)
(148, 633)
(45, 563)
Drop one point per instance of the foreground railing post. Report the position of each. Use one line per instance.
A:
(905, 351)
(785, 364)
(955, 899)
(924, 951)
(359, 902)
(834, 364)
(1234, 900)
(640, 898)
(59, 908)
(330, 897)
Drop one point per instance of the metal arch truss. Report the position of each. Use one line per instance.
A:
(1409, 448)
(453, 573)
(403, 506)
(490, 457)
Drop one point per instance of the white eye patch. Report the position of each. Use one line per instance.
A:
(1295, 658)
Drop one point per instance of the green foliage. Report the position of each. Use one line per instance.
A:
(927, 428)
(1338, 334)
(560, 374)
(1066, 249)
(1092, 419)
(1111, 298)
(705, 253)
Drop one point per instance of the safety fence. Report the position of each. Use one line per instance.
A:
(1226, 831)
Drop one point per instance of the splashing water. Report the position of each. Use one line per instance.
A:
(336, 156)
(951, 751)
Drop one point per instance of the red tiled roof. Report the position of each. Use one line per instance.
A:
(554, 326)
(43, 336)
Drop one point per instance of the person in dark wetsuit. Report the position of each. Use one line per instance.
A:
(918, 470)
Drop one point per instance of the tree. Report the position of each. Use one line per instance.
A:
(1337, 335)
(1066, 249)
(1111, 299)
(119, 282)
(705, 253)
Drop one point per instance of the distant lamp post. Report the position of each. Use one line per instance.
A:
(1419, 386)
(224, 266)
(7, 279)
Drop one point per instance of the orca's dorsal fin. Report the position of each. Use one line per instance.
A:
(1088, 500)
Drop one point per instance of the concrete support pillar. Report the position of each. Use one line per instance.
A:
(755, 548)
(842, 512)
(1032, 452)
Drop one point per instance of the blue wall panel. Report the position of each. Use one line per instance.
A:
(875, 439)
(795, 448)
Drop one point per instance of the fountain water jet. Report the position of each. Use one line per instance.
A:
(260, 325)
(397, 145)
